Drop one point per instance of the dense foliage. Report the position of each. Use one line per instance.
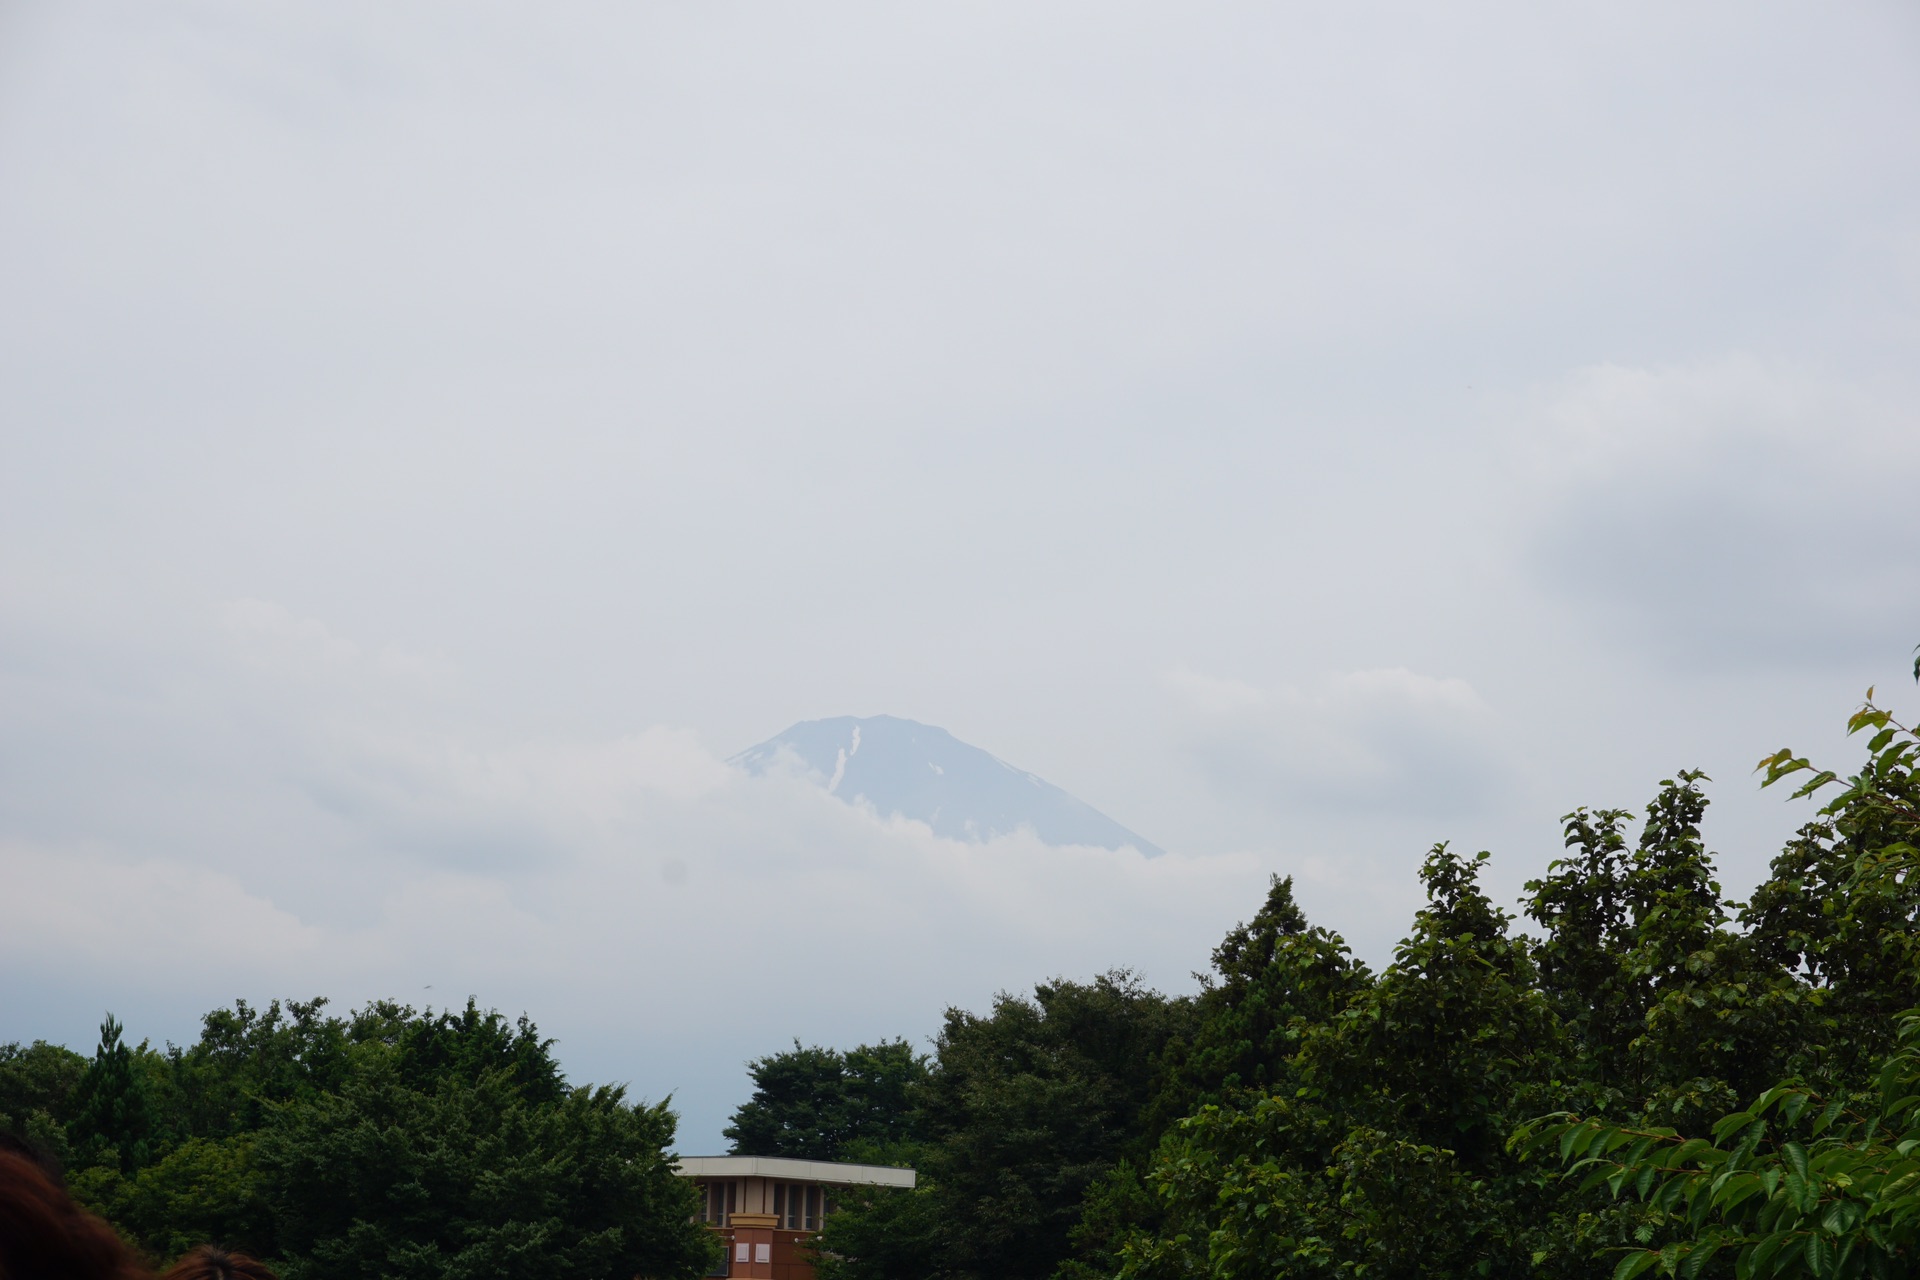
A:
(822, 1104)
(1843, 1200)
(389, 1143)
(1303, 1116)
(1814, 1180)
(1025, 1109)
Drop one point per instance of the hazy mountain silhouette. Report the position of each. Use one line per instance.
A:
(925, 773)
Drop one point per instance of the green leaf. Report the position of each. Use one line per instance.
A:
(1674, 1157)
(1791, 1247)
(1698, 1257)
(1816, 782)
(1737, 1190)
(1819, 1255)
(1634, 1263)
(1796, 1157)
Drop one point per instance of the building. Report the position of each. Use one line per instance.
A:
(765, 1207)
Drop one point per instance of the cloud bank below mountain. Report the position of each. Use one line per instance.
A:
(660, 911)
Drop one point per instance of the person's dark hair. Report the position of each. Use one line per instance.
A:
(44, 1235)
(36, 1153)
(209, 1263)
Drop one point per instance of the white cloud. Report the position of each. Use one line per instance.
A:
(274, 640)
(1728, 511)
(1387, 739)
(157, 921)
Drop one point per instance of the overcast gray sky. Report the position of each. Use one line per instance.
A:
(436, 436)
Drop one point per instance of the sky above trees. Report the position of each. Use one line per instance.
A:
(435, 441)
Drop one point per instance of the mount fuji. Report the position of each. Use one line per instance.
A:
(925, 773)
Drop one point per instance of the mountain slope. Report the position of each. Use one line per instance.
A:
(925, 773)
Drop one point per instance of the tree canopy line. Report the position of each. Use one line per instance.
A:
(389, 1143)
(1635, 1074)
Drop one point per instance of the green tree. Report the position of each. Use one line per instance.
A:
(1274, 978)
(37, 1084)
(246, 1061)
(37, 1077)
(391, 1142)
(114, 1119)
(1385, 1157)
(1666, 1007)
(470, 1178)
(814, 1103)
(881, 1086)
(1829, 1189)
(1818, 1177)
(203, 1190)
(796, 1107)
(881, 1233)
(1842, 905)
(454, 1147)
(1024, 1109)
(1034, 1103)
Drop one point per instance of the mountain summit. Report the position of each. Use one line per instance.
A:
(927, 774)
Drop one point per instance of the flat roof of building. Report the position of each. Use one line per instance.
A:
(827, 1171)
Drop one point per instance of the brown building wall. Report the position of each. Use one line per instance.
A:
(787, 1253)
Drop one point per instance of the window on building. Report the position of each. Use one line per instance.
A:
(800, 1207)
(790, 1204)
(718, 1202)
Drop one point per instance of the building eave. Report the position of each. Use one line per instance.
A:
(825, 1172)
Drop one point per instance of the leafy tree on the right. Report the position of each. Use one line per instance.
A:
(1820, 1176)
(1393, 1131)
(1302, 1116)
